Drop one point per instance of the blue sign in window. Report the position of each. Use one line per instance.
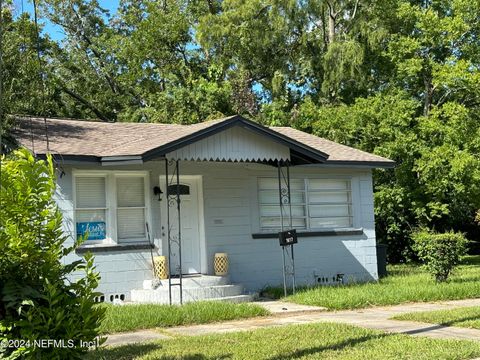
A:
(96, 230)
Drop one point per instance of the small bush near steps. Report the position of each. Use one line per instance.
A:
(439, 252)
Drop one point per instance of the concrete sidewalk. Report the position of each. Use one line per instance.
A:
(289, 314)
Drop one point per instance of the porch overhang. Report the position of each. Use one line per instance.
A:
(260, 145)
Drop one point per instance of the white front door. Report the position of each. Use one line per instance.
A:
(190, 225)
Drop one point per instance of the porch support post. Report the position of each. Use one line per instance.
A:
(173, 239)
(179, 230)
(284, 193)
(291, 225)
(280, 194)
(169, 250)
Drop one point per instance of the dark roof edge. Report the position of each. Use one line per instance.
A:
(373, 164)
(234, 121)
(72, 158)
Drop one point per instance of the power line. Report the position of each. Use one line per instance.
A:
(1, 76)
(24, 56)
(1, 94)
(41, 73)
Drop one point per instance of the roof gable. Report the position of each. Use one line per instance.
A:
(309, 154)
(233, 144)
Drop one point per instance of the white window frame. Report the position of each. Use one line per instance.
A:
(306, 204)
(111, 203)
(145, 176)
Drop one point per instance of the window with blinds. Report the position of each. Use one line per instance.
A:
(131, 208)
(316, 204)
(269, 204)
(329, 203)
(90, 207)
(111, 206)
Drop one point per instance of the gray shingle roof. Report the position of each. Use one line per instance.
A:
(100, 139)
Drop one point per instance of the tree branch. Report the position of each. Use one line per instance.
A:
(355, 10)
(85, 102)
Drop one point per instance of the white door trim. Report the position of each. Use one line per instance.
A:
(201, 216)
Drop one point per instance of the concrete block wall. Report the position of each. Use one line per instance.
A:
(231, 216)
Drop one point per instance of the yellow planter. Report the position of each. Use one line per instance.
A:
(220, 264)
(160, 266)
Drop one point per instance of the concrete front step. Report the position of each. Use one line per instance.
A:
(161, 295)
(188, 281)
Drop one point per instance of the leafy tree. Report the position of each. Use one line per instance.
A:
(38, 300)
(22, 88)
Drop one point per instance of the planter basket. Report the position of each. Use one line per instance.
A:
(221, 264)
(160, 267)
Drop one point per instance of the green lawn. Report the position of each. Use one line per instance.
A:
(319, 341)
(405, 283)
(468, 317)
(143, 316)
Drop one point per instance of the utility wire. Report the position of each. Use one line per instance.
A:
(24, 57)
(41, 73)
(1, 94)
(1, 77)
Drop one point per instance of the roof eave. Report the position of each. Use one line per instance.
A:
(387, 164)
(71, 159)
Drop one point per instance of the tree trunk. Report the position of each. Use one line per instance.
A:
(332, 19)
(331, 29)
(427, 102)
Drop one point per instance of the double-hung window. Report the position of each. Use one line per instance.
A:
(91, 209)
(131, 209)
(111, 207)
(316, 204)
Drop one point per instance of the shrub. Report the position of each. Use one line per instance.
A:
(38, 301)
(440, 252)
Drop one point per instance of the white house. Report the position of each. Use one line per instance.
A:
(112, 181)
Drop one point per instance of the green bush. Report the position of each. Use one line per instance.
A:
(440, 252)
(39, 301)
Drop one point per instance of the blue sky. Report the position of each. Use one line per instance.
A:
(53, 30)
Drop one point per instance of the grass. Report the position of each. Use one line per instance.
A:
(468, 317)
(144, 316)
(318, 341)
(405, 283)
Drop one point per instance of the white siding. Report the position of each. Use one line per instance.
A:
(231, 216)
(234, 144)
